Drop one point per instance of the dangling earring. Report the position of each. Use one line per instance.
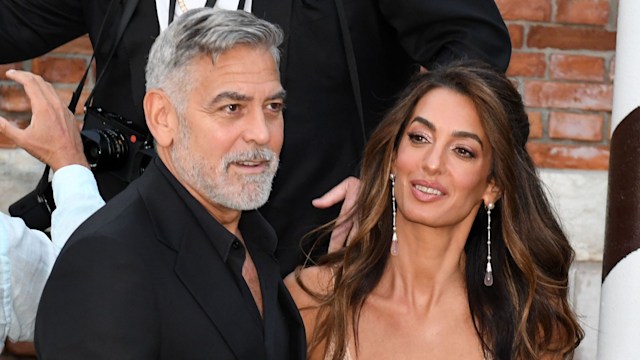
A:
(488, 275)
(394, 237)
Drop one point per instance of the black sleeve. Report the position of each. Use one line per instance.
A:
(435, 32)
(98, 304)
(30, 28)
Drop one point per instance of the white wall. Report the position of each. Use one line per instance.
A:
(580, 199)
(19, 174)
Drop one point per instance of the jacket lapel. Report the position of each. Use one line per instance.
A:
(200, 267)
(297, 335)
(208, 280)
(275, 296)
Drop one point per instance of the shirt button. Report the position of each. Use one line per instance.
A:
(235, 244)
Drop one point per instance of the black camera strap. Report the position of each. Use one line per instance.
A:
(76, 94)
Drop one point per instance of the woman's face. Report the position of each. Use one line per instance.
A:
(443, 162)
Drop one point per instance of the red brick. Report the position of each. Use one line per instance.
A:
(536, 128)
(6, 143)
(534, 10)
(81, 45)
(582, 96)
(571, 38)
(577, 67)
(5, 67)
(589, 12)
(13, 99)
(527, 65)
(594, 157)
(516, 32)
(59, 69)
(572, 126)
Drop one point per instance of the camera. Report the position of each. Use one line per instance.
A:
(117, 151)
(116, 145)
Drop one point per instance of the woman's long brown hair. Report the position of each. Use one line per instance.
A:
(525, 314)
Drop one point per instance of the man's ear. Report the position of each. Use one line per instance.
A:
(161, 117)
(492, 194)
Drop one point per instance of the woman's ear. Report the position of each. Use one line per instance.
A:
(492, 194)
(161, 117)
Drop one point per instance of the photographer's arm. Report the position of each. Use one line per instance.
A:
(53, 137)
(75, 192)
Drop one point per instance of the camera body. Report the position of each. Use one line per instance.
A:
(116, 145)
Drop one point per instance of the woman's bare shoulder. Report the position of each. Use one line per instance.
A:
(304, 283)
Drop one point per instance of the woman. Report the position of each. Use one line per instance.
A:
(458, 254)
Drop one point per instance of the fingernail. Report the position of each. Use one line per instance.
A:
(10, 71)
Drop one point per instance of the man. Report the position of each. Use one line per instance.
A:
(179, 265)
(344, 62)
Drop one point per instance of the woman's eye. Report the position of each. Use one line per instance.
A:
(417, 138)
(465, 153)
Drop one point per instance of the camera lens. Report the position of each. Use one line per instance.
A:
(105, 149)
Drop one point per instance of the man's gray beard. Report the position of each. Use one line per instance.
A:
(248, 192)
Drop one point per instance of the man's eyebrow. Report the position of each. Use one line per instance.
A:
(458, 134)
(229, 95)
(236, 96)
(280, 95)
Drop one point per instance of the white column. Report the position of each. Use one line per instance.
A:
(619, 328)
(626, 85)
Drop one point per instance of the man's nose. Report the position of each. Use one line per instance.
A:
(257, 129)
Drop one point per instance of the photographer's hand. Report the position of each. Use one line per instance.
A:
(347, 192)
(53, 136)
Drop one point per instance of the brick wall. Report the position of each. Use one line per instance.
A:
(63, 67)
(563, 62)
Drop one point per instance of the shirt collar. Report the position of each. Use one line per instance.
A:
(254, 228)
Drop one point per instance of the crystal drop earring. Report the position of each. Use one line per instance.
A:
(488, 275)
(394, 237)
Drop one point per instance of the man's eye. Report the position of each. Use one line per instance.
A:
(232, 107)
(275, 106)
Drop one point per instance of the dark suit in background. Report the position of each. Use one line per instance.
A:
(174, 291)
(327, 73)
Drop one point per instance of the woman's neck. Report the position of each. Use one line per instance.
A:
(430, 264)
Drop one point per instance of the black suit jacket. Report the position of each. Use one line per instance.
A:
(141, 280)
(326, 72)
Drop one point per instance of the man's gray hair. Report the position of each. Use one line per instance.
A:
(203, 31)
